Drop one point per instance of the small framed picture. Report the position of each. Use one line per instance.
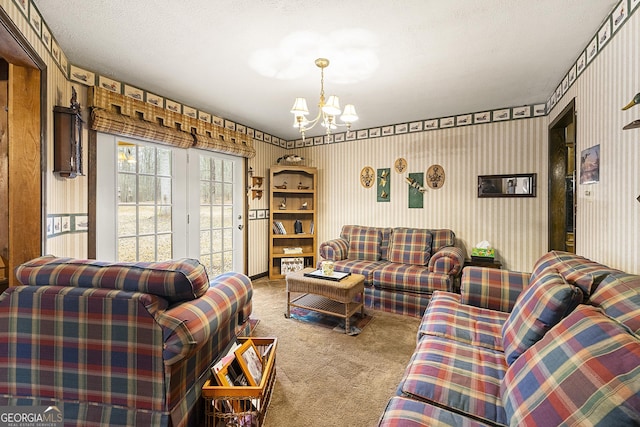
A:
(82, 76)
(362, 134)
(374, 133)
(36, 21)
(230, 125)
(205, 117)
(387, 130)
(261, 214)
(431, 124)
(156, 100)
(592, 49)
(252, 214)
(170, 105)
(581, 63)
(250, 362)
(402, 128)
(218, 121)
(619, 15)
(499, 115)
(351, 135)
(46, 36)
(522, 112)
(447, 122)
(605, 33)
(317, 140)
(415, 126)
(133, 92)
(110, 84)
(482, 117)
(463, 120)
(189, 111)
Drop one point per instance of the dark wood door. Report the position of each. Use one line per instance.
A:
(562, 181)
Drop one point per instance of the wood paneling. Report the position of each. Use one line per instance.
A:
(25, 228)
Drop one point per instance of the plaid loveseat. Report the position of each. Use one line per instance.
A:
(117, 344)
(559, 346)
(402, 266)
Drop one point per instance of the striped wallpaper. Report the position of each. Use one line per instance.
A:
(511, 225)
(608, 214)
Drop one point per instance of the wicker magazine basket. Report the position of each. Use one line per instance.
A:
(244, 406)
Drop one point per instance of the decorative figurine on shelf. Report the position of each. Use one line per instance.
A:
(290, 158)
(297, 227)
(302, 187)
(283, 204)
(304, 206)
(283, 186)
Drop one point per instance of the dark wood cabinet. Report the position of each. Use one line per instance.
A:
(67, 157)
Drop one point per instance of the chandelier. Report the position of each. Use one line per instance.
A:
(327, 109)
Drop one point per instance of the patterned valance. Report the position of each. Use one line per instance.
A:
(116, 114)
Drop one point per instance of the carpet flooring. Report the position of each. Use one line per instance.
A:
(325, 378)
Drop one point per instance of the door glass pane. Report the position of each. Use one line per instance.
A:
(216, 214)
(127, 220)
(145, 211)
(146, 219)
(146, 159)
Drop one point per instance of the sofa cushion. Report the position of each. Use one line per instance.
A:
(619, 296)
(410, 246)
(447, 317)
(410, 278)
(364, 243)
(585, 371)
(576, 270)
(404, 412)
(538, 308)
(175, 280)
(458, 376)
(354, 266)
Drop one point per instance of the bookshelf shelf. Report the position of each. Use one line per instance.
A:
(291, 207)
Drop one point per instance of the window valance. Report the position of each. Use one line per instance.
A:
(117, 114)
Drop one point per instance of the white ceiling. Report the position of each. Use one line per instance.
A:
(396, 60)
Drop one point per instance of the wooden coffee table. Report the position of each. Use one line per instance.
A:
(335, 298)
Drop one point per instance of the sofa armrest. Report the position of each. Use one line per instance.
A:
(492, 288)
(448, 260)
(190, 324)
(334, 250)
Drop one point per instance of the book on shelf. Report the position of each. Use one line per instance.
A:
(290, 251)
(278, 228)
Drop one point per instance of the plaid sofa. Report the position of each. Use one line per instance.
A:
(117, 344)
(402, 266)
(558, 346)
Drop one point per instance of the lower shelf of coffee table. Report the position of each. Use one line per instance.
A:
(325, 305)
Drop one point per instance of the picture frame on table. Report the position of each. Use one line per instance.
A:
(250, 362)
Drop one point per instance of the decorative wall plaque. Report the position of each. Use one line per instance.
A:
(400, 165)
(367, 177)
(435, 176)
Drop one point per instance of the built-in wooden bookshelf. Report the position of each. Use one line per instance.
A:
(293, 197)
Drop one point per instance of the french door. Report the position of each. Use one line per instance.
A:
(156, 202)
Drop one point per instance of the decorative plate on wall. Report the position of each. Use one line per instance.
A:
(435, 176)
(367, 177)
(400, 165)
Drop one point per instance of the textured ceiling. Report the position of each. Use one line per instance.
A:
(396, 60)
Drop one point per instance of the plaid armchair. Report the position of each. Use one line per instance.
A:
(117, 344)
